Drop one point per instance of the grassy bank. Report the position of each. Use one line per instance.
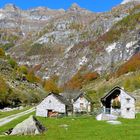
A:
(83, 128)
(8, 113)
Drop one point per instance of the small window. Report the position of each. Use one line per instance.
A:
(128, 100)
(81, 104)
(81, 97)
(49, 101)
(128, 109)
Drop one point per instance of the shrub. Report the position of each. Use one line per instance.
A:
(23, 69)
(51, 86)
(75, 82)
(7, 46)
(12, 62)
(116, 104)
(31, 77)
(130, 66)
(91, 76)
(79, 79)
(3, 91)
(2, 53)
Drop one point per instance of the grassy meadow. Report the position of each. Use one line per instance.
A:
(8, 113)
(80, 128)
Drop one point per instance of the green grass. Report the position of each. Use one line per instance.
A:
(82, 128)
(6, 114)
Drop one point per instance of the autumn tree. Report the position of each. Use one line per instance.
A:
(75, 83)
(51, 86)
(91, 76)
(23, 69)
(133, 64)
(2, 53)
(3, 91)
(31, 77)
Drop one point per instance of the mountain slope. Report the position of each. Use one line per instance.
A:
(67, 43)
(15, 89)
(74, 39)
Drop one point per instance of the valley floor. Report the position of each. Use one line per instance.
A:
(80, 128)
(10, 118)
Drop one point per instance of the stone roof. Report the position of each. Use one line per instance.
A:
(60, 98)
(74, 95)
(84, 95)
(110, 93)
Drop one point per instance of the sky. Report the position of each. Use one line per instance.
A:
(92, 5)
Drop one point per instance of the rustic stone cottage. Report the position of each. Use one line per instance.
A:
(81, 104)
(118, 102)
(66, 104)
(53, 105)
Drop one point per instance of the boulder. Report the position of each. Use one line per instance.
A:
(30, 126)
(99, 117)
(106, 117)
(114, 122)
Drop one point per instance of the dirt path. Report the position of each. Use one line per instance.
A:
(10, 118)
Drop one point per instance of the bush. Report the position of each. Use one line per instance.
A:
(51, 86)
(2, 53)
(31, 77)
(91, 76)
(130, 66)
(23, 69)
(12, 62)
(79, 79)
(4, 92)
(75, 83)
(7, 46)
(116, 104)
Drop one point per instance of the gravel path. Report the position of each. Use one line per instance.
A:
(10, 118)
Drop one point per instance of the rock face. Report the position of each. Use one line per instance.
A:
(30, 126)
(126, 1)
(63, 42)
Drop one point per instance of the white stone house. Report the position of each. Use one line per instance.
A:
(81, 104)
(53, 105)
(120, 103)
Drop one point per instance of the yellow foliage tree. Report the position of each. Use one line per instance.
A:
(51, 86)
(3, 90)
(2, 53)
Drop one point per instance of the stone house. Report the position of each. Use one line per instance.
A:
(118, 102)
(81, 104)
(53, 105)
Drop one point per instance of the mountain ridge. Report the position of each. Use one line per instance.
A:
(58, 39)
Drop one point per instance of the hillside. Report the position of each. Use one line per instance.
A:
(66, 43)
(75, 48)
(15, 87)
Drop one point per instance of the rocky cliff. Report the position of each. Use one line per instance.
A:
(63, 42)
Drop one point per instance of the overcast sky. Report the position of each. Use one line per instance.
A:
(92, 5)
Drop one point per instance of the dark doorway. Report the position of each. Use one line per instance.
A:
(50, 112)
(113, 96)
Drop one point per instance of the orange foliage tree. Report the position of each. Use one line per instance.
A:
(91, 76)
(79, 79)
(51, 86)
(31, 77)
(75, 82)
(131, 65)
